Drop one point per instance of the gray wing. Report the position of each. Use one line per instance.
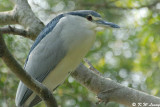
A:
(42, 59)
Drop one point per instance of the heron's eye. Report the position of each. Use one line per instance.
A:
(89, 18)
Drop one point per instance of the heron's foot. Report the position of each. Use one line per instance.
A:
(104, 96)
(102, 100)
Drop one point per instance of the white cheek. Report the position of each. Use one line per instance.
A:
(99, 28)
(91, 25)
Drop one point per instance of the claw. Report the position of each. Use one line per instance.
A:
(101, 101)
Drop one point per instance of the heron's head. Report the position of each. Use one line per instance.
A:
(93, 19)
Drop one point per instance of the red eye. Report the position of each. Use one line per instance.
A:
(89, 18)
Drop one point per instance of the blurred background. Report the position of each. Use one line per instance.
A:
(130, 55)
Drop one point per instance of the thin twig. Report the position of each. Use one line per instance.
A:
(16, 31)
(91, 66)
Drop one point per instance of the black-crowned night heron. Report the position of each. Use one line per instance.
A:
(58, 50)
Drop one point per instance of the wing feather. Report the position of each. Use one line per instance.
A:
(41, 60)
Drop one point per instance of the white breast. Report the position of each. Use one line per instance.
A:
(79, 37)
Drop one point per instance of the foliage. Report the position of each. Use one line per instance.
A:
(129, 56)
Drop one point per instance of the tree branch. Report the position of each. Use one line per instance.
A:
(27, 18)
(22, 14)
(16, 31)
(108, 90)
(8, 18)
(34, 85)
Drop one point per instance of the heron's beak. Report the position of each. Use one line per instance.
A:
(106, 24)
